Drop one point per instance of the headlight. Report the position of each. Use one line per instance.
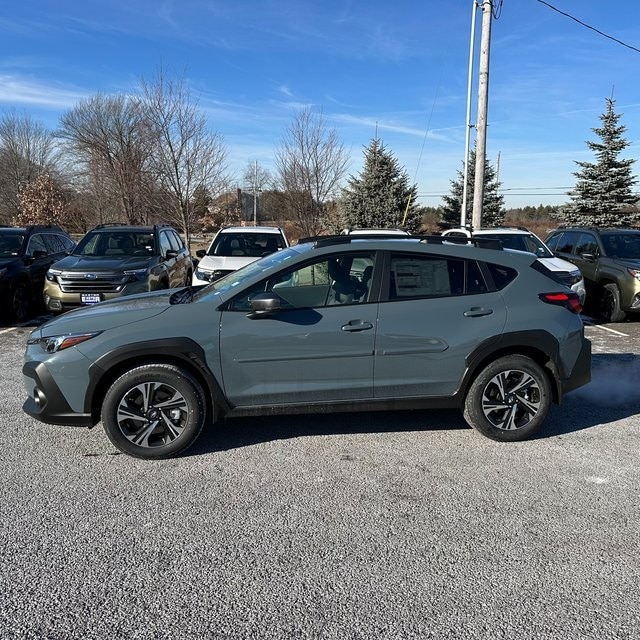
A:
(201, 274)
(635, 273)
(137, 274)
(52, 275)
(52, 344)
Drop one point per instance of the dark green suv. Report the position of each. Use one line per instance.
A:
(609, 260)
(114, 260)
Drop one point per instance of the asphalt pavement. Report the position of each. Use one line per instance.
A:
(372, 526)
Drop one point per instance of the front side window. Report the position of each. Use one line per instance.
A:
(587, 244)
(330, 281)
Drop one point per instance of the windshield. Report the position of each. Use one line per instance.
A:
(116, 243)
(622, 245)
(10, 244)
(236, 278)
(521, 242)
(249, 244)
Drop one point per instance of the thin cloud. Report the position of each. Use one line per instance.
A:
(15, 90)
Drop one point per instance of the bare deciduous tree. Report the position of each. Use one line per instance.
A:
(311, 163)
(256, 179)
(186, 155)
(27, 150)
(109, 137)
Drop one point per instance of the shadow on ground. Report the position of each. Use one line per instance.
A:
(610, 396)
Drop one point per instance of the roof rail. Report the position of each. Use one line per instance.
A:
(104, 225)
(326, 241)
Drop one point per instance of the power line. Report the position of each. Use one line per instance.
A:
(588, 26)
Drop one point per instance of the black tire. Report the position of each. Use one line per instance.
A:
(154, 411)
(20, 302)
(509, 399)
(610, 310)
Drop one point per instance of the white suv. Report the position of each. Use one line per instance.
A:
(521, 239)
(234, 247)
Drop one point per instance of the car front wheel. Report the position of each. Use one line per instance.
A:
(20, 302)
(610, 310)
(509, 400)
(154, 411)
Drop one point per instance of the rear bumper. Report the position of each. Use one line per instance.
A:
(581, 373)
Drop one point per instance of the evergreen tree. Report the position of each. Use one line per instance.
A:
(603, 193)
(381, 196)
(493, 211)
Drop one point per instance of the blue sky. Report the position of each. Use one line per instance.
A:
(396, 68)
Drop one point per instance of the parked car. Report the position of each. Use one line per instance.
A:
(610, 262)
(114, 260)
(332, 324)
(521, 239)
(25, 255)
(235, 247)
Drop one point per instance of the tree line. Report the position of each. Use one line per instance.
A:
(151, 156)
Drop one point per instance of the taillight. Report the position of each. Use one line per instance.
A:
(569, 301)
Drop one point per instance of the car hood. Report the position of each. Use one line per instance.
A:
(558, 264)
(226, 263)
(101, 263)
(628, 262)
(109, 314)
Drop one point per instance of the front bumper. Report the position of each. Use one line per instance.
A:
(46, 402)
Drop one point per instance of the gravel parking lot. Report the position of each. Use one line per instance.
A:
(385, 525)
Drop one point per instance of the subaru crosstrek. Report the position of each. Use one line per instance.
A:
(331, 324)
(115, 260)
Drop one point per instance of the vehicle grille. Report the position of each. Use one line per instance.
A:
(103, 283)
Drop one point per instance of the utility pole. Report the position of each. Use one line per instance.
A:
(483, 101)
(465, 175)
(255, 194)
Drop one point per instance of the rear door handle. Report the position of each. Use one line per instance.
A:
(476, 312)
(357, 325)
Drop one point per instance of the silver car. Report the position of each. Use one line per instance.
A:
(337, 323)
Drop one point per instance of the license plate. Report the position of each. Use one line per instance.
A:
(89, 298)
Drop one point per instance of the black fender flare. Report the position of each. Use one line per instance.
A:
(179, 350)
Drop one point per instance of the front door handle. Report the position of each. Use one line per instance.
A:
(357, 325)
(476, 312)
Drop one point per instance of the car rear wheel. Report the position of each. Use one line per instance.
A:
(154, 411)
(610, 310)
(20, 302)
(509, 400)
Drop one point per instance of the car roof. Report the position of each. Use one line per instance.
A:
(250, 230)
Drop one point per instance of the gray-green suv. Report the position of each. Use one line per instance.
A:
(338, 323)
(609, 260)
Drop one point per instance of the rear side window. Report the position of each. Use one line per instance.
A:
(501, 275)
(431, 276)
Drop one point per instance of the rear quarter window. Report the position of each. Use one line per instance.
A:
(501, 275)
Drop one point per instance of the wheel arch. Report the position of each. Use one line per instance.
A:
(540, 346)
(182, 352)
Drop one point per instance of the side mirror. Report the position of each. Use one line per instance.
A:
(170, 254)
(201, 253)
(264, 304)
(589, 257)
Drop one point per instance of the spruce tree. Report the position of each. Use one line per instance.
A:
(493, 211)
(381, 196)
(603, 193)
